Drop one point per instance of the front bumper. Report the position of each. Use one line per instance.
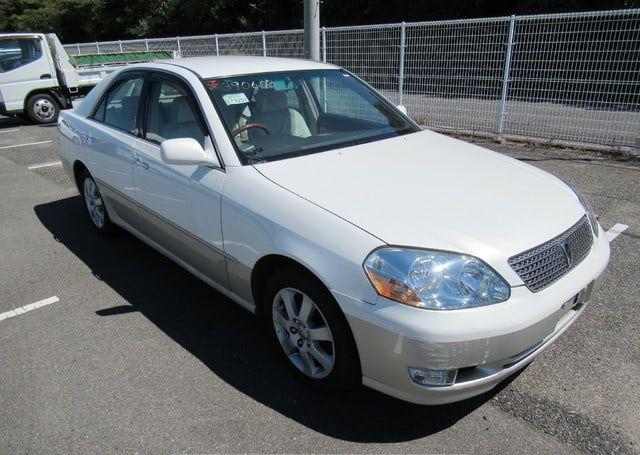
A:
(485, 344)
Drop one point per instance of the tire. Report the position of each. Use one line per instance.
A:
(42, 108)
(303, 342)
(94, 205)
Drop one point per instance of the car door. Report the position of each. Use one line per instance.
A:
(180, 204)
(110, 136)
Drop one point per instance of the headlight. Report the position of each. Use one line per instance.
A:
(434, 279)
(593, 220)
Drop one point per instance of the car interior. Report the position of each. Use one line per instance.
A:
(284, 115)
(296, 112)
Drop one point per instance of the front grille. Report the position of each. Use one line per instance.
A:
(544, 264)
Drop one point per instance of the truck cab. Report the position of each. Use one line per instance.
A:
(28, 73)
(38, 78)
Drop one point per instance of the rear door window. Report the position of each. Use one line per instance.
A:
(120, 106)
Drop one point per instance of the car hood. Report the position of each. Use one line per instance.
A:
(431, 191)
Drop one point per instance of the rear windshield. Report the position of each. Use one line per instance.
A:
(271, 116)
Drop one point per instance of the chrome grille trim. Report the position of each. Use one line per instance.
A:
(542, 265)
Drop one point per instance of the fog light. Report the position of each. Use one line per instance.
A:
(424, 376)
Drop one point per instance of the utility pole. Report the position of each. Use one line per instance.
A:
(312, 29)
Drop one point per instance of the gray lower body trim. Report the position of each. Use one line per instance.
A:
(226, 292)
(204, 260)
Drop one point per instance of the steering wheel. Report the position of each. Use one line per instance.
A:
(242, 128)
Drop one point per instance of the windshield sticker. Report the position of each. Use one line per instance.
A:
(232, 85)
(235, 98)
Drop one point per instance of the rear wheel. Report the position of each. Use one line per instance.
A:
(42, 108)
(310, 331)
(94, 205)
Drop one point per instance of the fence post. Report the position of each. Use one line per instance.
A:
(217, 47)
(178, 42)
(505, 79)
(146, 43)
(120, 44)
(98, 47)
(264, 44)
(401, 69)
(78, 46)
(324, 45)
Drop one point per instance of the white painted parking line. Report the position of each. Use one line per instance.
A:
(9, 131)
(24, 145)
(41, 165)
(615, 231)
(31, 306)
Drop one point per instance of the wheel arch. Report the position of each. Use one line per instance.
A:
(60, 99)
(78, 169)
(264, 268)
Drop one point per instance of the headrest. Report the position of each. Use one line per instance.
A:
(181, 110)
(269, 100)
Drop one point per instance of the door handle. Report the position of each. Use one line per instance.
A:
(141, 163)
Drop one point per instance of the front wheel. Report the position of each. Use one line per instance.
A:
(42, 108)
(310, 331)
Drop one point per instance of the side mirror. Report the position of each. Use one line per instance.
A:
(402, 109)
(186, 150)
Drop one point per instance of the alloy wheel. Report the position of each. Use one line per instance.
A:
(303, 333)
(94, 203)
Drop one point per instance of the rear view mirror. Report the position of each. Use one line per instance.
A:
(184, 151)
(402, 109)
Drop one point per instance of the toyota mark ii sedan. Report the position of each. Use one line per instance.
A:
(376, 252)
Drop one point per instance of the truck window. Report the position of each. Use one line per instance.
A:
(17, 52)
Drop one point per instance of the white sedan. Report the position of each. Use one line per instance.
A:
(376, 252)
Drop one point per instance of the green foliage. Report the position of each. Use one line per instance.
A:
(67, 18)
(90, 20)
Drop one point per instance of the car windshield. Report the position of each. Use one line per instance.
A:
(271, 116)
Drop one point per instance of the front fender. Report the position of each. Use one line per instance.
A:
(260, 218)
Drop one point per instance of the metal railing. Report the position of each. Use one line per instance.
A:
(559, 78)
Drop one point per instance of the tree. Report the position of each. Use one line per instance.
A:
(91, 20)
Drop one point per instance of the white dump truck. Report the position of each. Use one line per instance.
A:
(38, 78)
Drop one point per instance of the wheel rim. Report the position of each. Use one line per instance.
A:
(303, 333)
(44, 109)
(95, 206)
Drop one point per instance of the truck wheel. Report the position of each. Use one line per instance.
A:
(42, 108)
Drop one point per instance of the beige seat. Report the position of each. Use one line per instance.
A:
(273, 111)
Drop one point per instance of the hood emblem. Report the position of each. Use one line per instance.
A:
(566, 250)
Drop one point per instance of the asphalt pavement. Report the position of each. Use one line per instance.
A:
(127, 352)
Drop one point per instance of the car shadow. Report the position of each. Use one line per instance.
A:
(230, 341)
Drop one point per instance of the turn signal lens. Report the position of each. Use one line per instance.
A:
(392, 289)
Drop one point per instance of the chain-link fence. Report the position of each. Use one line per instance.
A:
(564, 78)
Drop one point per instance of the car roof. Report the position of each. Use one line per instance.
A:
(228, 65)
